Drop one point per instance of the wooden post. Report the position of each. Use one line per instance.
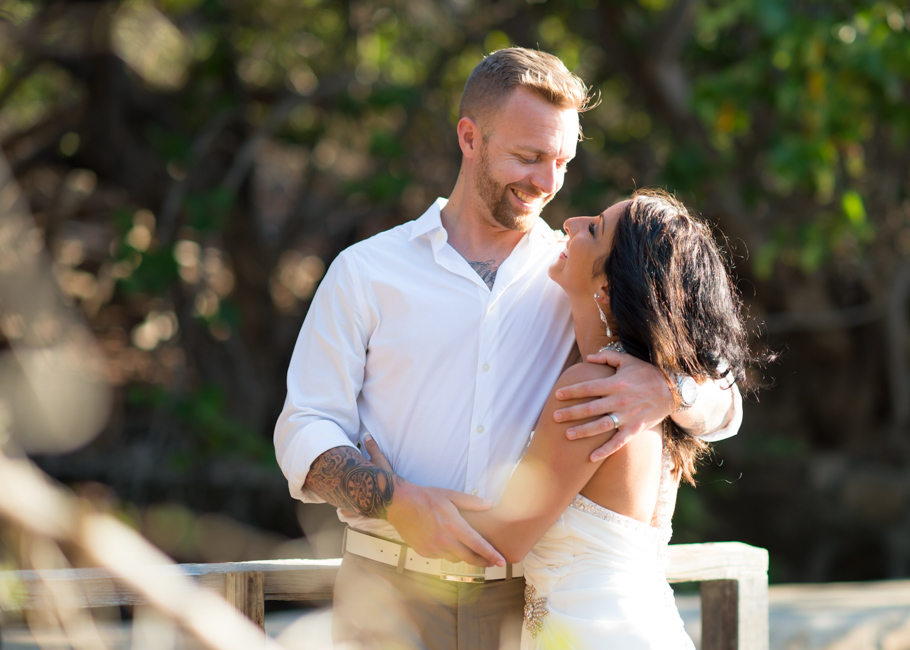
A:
(734, 614)
(734, 591)
(753, 613)
(246, 592)
(719, 615)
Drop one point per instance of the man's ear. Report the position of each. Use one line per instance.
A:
(470, 138)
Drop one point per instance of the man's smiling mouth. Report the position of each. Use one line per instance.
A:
(526, 198)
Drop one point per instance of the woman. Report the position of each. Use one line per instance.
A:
(647, 279)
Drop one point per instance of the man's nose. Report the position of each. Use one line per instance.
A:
(547, 178)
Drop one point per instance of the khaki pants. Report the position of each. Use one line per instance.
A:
(377, 608)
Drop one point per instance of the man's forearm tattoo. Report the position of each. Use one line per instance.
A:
(347, 480)
(486, 271)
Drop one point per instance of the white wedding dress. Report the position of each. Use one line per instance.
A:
(596, 580)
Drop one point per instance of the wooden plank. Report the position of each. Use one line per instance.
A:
(245, 590)
(315, 583)
(715, 561)
(734, 591)
(98, 588)
(313, 579)
(300, 580)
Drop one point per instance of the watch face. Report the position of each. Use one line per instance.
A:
(688, 391)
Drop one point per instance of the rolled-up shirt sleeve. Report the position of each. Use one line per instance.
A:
(732, 427)
(325, 376)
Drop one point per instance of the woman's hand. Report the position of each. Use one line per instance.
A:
(637, 396)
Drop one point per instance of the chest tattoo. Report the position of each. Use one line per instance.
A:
(486, 271)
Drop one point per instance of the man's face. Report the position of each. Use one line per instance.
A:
(523, 157)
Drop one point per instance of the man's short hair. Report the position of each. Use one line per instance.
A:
(502, 71)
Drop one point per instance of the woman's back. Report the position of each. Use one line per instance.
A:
(627, 482)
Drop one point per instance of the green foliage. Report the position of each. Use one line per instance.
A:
(386, 97)
(36, 94)
(204, 412)
(178, 8)
(776, 446)
(155, 271)
(146, 271)
(686, 167)
(791, 93)
(691, 514)
(381, 187)
(806, 97)
(172, 147)
(209, 211)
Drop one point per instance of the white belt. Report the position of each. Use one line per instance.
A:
(400, 555)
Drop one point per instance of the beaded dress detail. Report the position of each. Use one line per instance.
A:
(596, 580)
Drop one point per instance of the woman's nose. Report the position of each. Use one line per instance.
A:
(574, 224)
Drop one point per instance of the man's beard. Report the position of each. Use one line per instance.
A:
(496, 198)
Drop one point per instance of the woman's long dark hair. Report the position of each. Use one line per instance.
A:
(674, 303)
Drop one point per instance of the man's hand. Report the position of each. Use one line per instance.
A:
(429, 521)
(637, 396)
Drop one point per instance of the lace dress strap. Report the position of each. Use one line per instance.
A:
(666, 493)
(584, 504)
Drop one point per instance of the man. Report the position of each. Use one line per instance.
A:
(442, 338)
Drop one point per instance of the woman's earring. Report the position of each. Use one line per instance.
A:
(603, 316)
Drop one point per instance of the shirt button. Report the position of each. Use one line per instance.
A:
(486, 367)
(475, 492)
(480, 429)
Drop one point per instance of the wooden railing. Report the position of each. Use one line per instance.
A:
(733, 577)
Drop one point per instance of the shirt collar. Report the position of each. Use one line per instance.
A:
(429, 221)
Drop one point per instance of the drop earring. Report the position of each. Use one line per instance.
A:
(603, 316)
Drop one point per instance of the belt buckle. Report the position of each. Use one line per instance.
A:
(461, 572)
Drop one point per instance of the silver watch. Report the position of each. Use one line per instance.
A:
(686, 391)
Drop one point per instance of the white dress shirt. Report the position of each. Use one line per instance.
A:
(405, 341)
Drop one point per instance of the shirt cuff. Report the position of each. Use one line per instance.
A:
(735, 422)
(306, 445)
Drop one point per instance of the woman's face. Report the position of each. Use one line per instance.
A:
(590, 239)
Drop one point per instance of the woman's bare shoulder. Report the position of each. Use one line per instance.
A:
(582, 372)
(577, 374)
